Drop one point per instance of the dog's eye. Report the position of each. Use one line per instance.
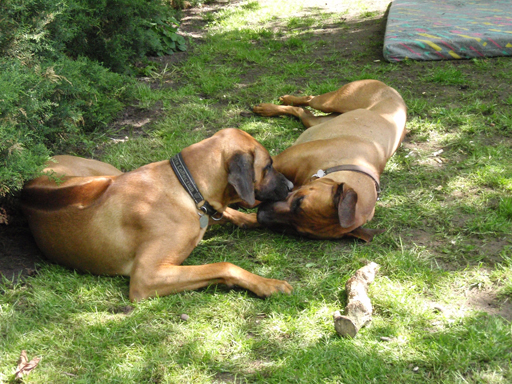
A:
(296, 204)
(267, 168)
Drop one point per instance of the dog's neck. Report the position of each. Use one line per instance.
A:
(188, 182)
(210, 167)
(363, 185)
(352, 168)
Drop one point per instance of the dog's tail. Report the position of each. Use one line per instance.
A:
(47, 194)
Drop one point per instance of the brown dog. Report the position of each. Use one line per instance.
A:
(336, 163)
(143, 223)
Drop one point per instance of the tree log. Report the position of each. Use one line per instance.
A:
(358, 311)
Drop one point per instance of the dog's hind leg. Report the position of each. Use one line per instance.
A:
(326, 102)
(157, 269)
(307, 118)
(295, 100)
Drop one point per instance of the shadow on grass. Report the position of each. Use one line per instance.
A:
(262, 341)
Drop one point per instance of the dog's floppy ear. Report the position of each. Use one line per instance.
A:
(346, 201)
(241, 176)
(365, 234)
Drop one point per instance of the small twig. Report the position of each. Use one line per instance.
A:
(358, 311)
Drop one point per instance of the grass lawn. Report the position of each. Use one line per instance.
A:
(442, 298)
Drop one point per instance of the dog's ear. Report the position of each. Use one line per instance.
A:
(346, 199)
(241, 176)
(365, 234)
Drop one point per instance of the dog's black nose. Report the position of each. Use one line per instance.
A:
(275, 188)
(277, 222)
(284, 187)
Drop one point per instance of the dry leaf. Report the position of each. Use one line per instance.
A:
(3, 217)
(25, 366)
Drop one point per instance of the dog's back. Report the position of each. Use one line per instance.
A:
(69, 180)
(65, 165)
(370, 111)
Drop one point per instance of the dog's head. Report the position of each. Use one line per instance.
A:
(322, 209)
(250, 171)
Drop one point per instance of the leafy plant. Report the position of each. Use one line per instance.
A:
(170, 40)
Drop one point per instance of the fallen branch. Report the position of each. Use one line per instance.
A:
(358, 311)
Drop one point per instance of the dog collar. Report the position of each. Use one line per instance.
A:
(352, 168)
(187, 181)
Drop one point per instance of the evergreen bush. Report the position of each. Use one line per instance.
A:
(112, 32)
(48, 108)
(63, 73)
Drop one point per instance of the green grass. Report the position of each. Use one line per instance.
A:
(448, 217)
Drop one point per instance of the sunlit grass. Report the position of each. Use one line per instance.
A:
(447, 217)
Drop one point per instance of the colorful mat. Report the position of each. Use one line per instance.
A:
(448, 29)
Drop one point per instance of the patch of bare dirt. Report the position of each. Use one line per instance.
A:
(19, 254)
(487, 300)
(479, 299)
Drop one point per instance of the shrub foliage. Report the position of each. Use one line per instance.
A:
(64, 72)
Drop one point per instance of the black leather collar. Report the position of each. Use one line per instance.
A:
(186, 180)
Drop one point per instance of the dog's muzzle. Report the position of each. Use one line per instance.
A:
(275, 190)
(273, 216)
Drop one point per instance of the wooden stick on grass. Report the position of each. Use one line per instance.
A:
(358, 311)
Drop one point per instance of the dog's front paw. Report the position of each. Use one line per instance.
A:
(240, 219)
(269, 287)
(247, 220)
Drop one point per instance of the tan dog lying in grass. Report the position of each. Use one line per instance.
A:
(144, 223)
(336, 163)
